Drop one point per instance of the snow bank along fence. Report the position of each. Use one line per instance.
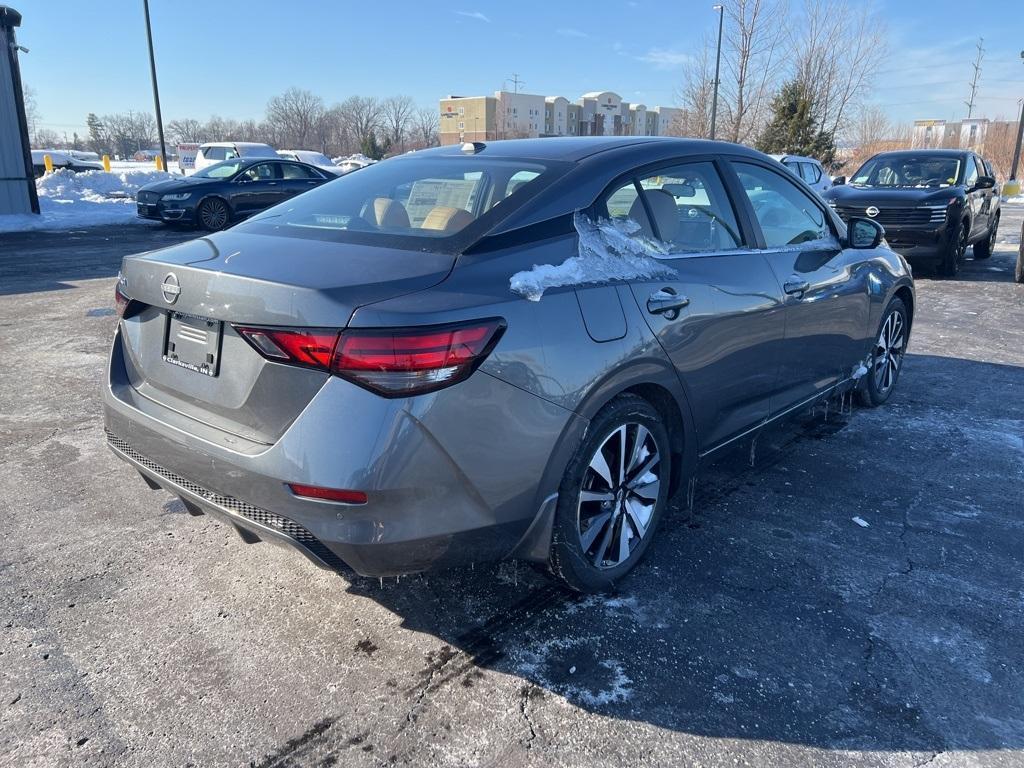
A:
(17, 183)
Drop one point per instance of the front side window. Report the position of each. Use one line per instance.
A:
(971, 174)
(260, 172)
(684, 207)
(215, 153)
(787, 215)
(811, 172)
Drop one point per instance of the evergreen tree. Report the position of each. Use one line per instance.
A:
(97, 133)
(794, 128)
(371, 147)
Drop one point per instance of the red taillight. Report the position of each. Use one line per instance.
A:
(121, 300)
(310, 348)
(389, 361)
(404, 361)
(328, 494)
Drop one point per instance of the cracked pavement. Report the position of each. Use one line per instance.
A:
(765, 626)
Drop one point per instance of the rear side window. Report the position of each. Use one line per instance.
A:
(215, 153)
(293, 171)
(811, 172)
(415, 201)
(685, 207)
(787, 215)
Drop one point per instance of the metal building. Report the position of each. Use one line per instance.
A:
(17, 182)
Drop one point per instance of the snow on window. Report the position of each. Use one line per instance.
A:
(609, 250)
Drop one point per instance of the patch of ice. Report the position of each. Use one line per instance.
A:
(69, 200)
(538, 661)
(609, 250)
(860, 521)
(860, 369)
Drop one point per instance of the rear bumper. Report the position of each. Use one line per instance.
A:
(451, 477)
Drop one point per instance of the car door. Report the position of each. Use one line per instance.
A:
(719, 318)
(297, 178)
(826, 287)
(975, 198)
(257, 187)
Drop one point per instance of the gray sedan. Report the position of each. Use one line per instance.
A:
(518, 349)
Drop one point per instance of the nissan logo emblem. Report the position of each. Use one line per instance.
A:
(872, 211)
(170, 288)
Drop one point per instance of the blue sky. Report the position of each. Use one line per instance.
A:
(229, 57)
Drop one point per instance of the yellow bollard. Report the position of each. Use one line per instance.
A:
(106, 163)
(1011, 188)
(159, 163)
(48, 162)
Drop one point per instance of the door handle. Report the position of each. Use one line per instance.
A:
(666, 302)
(795, 285)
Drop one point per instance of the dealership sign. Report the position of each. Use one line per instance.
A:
(187, 156)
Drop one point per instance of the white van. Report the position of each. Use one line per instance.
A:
(216, 151)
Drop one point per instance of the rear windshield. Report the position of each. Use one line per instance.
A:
(423, 203)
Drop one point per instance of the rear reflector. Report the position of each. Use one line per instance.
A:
(393, 362)
(328, 494)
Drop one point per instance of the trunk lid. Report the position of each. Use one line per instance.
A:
(249, 279)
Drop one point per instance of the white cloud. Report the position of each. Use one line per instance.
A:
(572, 33)
(661, 58)
(473, 15)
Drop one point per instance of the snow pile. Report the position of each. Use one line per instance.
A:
(70, 200)
(609, 250)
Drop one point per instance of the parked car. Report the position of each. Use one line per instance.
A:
(62, 160)
(219, 151)
(308, 156)
(221, 194)
(808, 169)
(516, 349)
(353, 162)
(933, 203)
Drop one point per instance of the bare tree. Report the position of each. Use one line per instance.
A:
(696, 93)
(32, 115)
(186, 130)
(296, 113)
(129, 132)
(425, 127)
(396, 115)
(871, 132)
(361, 116)
(836, 49)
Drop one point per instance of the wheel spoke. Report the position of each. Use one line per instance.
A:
(621, 431)
(586, 496)
(597, 524)
(638, 525)
(602, 548)
(648, 490)
(648, 465)
(639, 442)
(623, 540)
(600, 466)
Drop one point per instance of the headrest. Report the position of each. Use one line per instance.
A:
(385, 212)
(444, 218)
(663, 209)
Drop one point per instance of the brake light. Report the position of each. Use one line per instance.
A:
(296, 346)
(328, 494)
(121, 300)
(392, 362)
(406, 361)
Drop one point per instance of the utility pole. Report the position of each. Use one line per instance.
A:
(156, 91)
(516, 82)
(718, 63)
(977, 75)
(1020, 138)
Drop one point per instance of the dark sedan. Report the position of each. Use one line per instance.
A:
(514, 349)
(933, 203)
(222, 194)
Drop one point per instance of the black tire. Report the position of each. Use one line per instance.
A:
(877, 387)
(604, 522)
(984, 249)
(950, 264)
(213, 214)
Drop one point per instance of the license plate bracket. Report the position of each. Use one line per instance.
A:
(193, 343)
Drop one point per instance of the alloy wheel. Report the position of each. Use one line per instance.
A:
(619, 495)
(214, 214)
(888, 354)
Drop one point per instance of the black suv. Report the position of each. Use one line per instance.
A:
(933, 203)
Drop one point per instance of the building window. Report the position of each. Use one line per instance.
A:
(462, 111)
(461, 125)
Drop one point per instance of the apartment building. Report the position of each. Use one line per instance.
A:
(507, 115)
(970, 133)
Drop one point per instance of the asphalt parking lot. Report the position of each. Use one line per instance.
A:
(765, 627)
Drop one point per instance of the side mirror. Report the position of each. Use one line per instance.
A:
(985, 182)
(838, 180)
(864, 233)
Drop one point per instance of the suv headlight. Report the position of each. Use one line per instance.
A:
(177, 196)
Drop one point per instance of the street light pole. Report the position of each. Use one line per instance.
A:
(156, 91)
(718, 63)
(1020, 138)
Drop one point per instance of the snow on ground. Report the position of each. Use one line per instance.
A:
(73, 200)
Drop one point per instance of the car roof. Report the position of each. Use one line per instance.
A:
(234, 144)
(936, 152)
(576, 148)
(788, 156)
